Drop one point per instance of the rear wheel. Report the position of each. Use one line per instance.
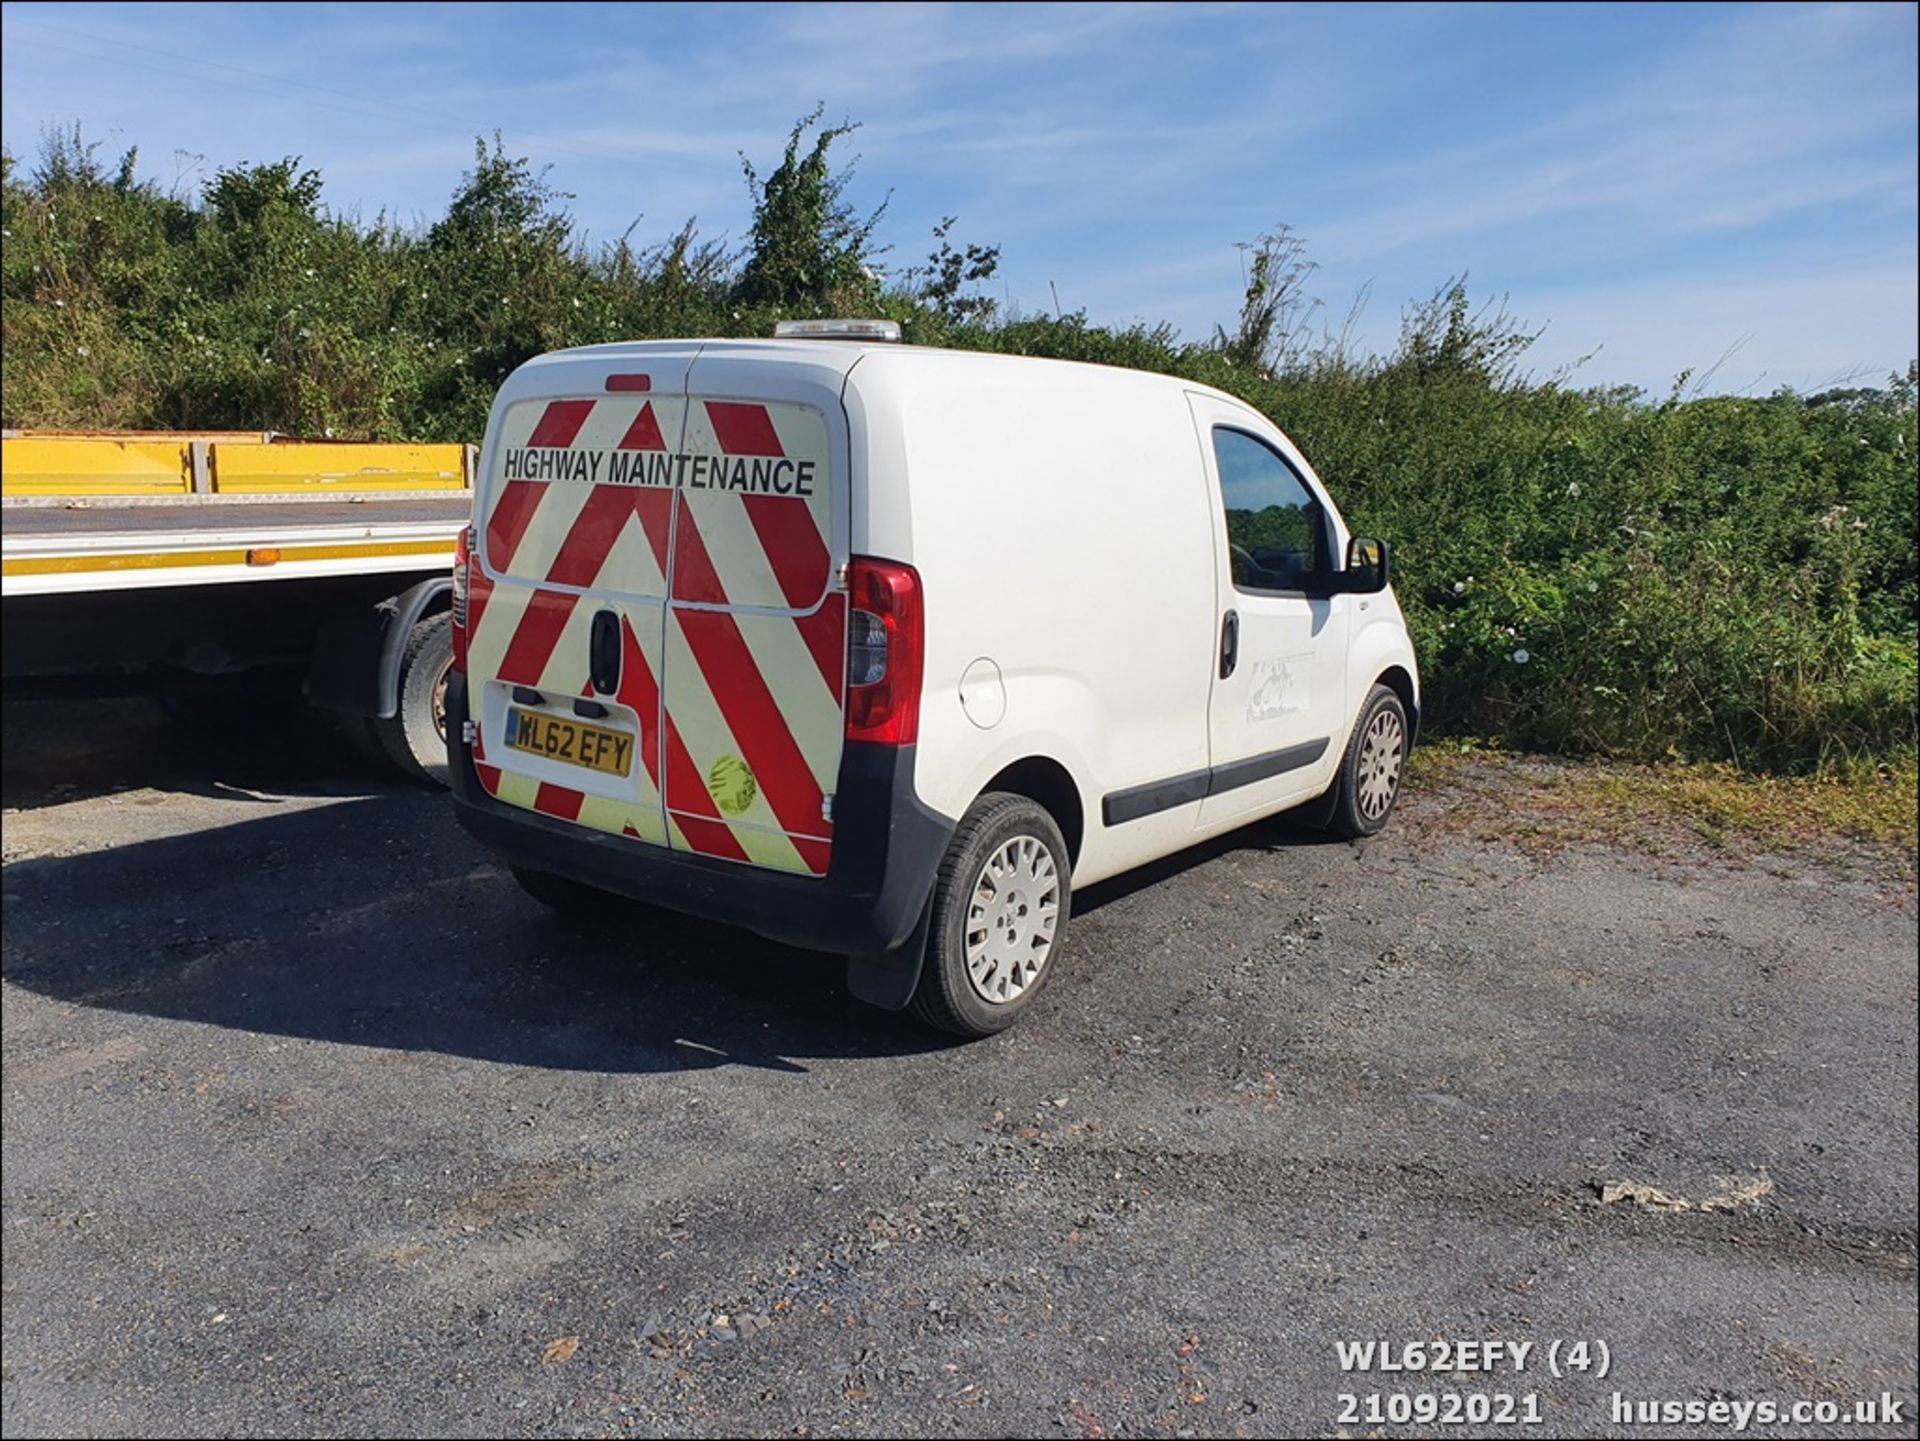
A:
(415, 736)
(1369, 781)
(1000, 908)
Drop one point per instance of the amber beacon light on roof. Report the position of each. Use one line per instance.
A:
(881, 330)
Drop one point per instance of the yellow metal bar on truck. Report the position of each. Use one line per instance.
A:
(302, 466)
(31, 465)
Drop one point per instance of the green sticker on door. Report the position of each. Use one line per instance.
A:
(732, 786)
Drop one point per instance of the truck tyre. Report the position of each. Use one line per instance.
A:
(415, 736)
(999, 917)
(362, 740)
(1370, 772)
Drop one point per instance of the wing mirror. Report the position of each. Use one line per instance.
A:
(1366, 570)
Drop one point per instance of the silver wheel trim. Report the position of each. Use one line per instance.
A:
(1012, 914)
(1381, 752)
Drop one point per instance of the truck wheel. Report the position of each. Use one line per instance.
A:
(1000, 906)
(361, 739)
(415, 736)
(1369, 780)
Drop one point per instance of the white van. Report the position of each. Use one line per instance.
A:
(882, 650)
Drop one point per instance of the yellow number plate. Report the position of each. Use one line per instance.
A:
(595, 747)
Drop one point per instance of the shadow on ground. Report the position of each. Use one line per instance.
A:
(355, 911)
(375, 922)
(221, 741)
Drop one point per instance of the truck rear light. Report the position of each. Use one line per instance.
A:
(884, 652)
(462, 591)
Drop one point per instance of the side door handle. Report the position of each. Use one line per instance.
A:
(1229, 643)
(603, 652)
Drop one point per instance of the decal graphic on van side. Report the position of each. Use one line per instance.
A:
(716, 511)
(1282, 685)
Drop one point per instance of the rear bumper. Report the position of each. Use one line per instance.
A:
(886, 848)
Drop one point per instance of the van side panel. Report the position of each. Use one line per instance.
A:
(1057, 515)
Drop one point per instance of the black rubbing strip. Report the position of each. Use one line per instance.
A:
(1258, 768)
(1147, 800)
(1138, 801)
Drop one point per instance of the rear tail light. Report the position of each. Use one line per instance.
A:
(462, 592)
(884, 652)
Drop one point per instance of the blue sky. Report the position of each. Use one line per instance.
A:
(1660, 185)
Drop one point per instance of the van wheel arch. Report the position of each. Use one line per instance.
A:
(1049, 784)
(1396, 679)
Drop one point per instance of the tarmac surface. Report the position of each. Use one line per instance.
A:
(313, 1123)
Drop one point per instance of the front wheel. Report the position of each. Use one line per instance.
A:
(1000, 907)
(1369, 780)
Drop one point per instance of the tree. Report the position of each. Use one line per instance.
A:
(1271, 334)
(502, 199)
(949, 271)
(809, 248)
(247, 195)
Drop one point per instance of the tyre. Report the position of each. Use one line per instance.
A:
(566, 897)
(361, 740)
(1369, 779)
(1000, 904)
(415, 736)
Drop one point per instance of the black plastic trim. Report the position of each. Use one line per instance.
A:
(1258, 768)
(1132, 804)
(887, 846)
(1137, 801)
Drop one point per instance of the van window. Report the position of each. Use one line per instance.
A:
(1276, 530)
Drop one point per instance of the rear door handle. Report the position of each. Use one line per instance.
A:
(1229, 643)
(603, 652)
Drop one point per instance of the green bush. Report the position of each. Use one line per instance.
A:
(1586, 570)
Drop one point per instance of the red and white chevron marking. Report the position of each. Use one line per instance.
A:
(744, 685)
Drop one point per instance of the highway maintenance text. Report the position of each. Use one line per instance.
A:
(753, 475)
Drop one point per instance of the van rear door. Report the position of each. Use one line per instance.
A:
(572, 555)
(754, 649)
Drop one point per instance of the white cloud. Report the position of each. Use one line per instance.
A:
(1800, 330)
(1755, 119)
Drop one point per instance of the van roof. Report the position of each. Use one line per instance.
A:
(842, 352)
(842, 355)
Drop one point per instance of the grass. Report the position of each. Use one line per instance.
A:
(1850, 806)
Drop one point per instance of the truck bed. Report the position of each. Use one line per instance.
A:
(49, 546)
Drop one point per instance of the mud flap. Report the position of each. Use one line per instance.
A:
(355, 668)
(1318, 811)
(888, 979)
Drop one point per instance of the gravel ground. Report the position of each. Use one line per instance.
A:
(314, 1124)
